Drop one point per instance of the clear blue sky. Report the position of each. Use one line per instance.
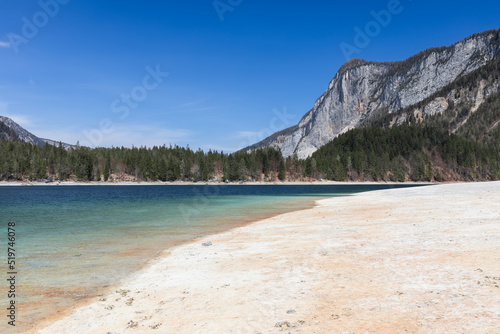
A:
(81, 68)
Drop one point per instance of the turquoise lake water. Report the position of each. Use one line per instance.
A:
(74, 242)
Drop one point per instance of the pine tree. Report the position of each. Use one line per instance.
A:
(281, 170)
(242, 170)
(107, 168)
(265, 164)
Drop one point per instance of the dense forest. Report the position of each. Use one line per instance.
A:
(401, 153)
(480, 126)
(19, 160)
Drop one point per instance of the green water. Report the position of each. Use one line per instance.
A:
(73, 243)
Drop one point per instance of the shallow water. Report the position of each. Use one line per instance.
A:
(73, 242)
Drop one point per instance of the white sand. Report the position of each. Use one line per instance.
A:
(419, 260)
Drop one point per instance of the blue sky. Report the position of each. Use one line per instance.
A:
(209, 74)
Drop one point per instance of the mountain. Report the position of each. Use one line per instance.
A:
(21, 133)
(452, 135)
(469, 107)
(364, 91)
(7, 134)
(8, 127)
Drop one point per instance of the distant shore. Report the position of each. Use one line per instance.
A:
(412, 260)
(181, 183)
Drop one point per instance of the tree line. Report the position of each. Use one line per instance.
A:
(404, 153)
(19, 160)
(400, 153)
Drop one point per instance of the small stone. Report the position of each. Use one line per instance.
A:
(290, 312)
(283, 324)
(132, 324)
(207, 243)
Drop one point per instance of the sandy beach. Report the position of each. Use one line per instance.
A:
(414, 260)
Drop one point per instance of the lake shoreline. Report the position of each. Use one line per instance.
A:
(419, 259)
(33, 327)
(190, 183)
(51, 299)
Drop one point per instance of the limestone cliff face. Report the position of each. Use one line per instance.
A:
(363, 89)
(456, 99)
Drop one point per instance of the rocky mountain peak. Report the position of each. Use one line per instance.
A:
(353, 63)
(27, 137)
(362, 89)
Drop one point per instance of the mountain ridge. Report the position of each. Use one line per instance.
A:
(361, 88)
(28, 137)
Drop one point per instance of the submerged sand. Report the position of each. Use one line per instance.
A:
(414, 260)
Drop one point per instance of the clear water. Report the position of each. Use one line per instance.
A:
(73, 242)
